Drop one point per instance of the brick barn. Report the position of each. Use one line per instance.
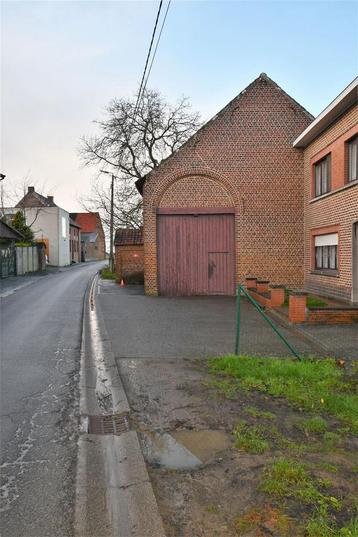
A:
(229, 202)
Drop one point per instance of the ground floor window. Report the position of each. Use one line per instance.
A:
(326, 252)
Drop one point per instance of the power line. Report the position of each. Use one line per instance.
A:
(156, 46)
(147, 60)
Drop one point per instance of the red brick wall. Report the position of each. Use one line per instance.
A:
(334, 212)
(244, 159)
(129, 260)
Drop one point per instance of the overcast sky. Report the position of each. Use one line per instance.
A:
(62, 62)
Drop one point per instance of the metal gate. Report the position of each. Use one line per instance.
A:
(196, 254)
(7, 261)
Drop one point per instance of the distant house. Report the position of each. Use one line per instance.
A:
(93, 244)
(75, 242)
(49, 223)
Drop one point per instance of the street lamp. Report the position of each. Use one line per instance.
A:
(111, 263)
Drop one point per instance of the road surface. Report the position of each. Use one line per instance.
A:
(40, 358)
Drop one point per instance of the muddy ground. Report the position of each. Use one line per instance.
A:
(204, 485)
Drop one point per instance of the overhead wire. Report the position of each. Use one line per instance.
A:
(147, 60)
(156, 46)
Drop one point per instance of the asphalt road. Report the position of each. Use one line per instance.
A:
(40, 359)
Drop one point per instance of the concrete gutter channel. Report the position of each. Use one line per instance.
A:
(114, 495)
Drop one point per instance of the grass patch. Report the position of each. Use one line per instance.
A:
(250, 438)
(313, 385)
(290, 479)
(329, 467)
(320, 526)
(313, 425)
(226, 388)
(107, 274)
(257, 413)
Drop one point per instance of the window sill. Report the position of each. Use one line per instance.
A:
(323, 272)
(344, 187)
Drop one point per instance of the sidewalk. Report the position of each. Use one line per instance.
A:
(186, 327)
(10, 285)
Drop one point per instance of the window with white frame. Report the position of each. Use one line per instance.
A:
(326, 251)
(352, 154)
(64, 227)
(322, 176)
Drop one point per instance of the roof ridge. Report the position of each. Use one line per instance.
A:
(263, 76)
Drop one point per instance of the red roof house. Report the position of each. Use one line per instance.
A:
(92, 236)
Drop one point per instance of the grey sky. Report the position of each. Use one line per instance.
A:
(63, 61)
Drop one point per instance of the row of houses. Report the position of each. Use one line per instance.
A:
(261, 189)
(67, 237)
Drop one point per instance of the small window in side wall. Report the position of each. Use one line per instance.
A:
(352, 159)
(322, 176)
(326, 252)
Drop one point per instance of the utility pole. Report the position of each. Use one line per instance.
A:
(111, 263)
(111, 260)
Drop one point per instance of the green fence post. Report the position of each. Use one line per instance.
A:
(238, 298)
(268, 320)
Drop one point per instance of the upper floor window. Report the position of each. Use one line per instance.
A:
(322, 176)
(352, 154)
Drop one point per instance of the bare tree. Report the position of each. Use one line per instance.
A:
(131, 143)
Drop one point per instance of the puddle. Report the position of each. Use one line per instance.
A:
(204, 444)
(184, 449)
(164, 450)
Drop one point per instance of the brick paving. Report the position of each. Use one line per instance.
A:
(186, 327)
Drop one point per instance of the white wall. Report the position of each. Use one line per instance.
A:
(46, 223)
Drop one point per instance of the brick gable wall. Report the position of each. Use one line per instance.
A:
(333, 213)
(244, 159)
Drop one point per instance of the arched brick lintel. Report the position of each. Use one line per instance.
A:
(163, 186)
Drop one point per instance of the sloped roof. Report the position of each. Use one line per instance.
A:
(8, 232)
(263, 76)
(343, 102)
(128, 237)
(34, 199)
(87, 221)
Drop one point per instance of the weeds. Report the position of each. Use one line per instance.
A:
(313, 425)
(289, 479)
(250, 438)
(227, 388)
(257, 413)
(106, 274)
(311, 385)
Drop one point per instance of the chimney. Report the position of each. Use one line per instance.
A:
(50, 199)
(30, 189)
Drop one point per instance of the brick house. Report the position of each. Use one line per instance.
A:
(330, 146)
(129, 255)
(229, 202)
(93, 244)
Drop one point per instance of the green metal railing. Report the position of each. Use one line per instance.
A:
(241, 289)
